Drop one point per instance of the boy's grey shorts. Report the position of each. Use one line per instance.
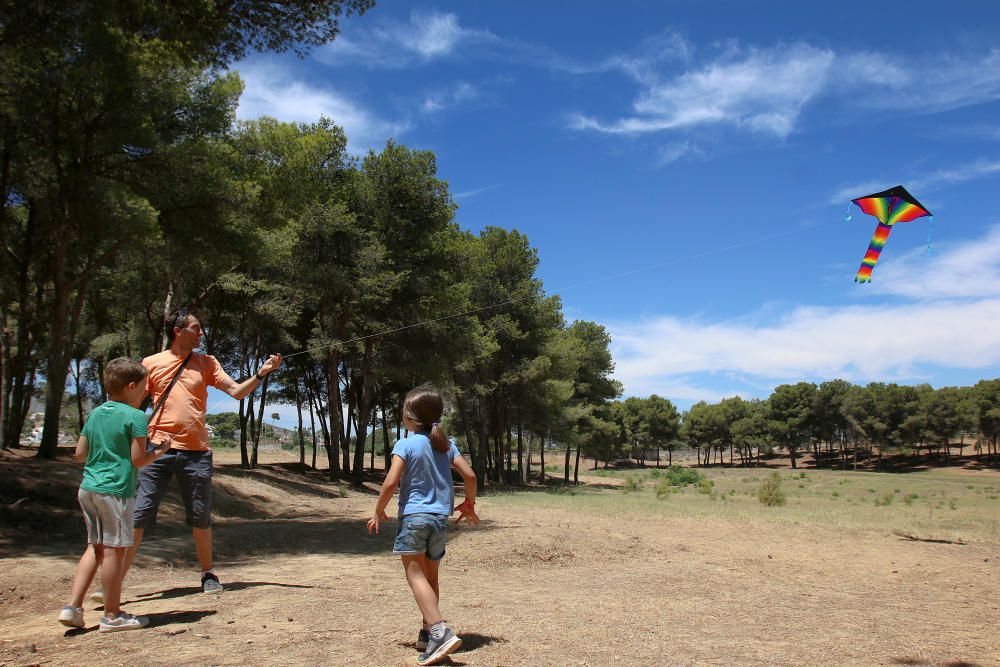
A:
(194, 476)
(108, 518)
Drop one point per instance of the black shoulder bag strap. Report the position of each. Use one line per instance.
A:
(163, 398)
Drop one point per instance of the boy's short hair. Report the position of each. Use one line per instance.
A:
(120, 372)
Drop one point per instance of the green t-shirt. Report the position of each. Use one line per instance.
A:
(109, 431)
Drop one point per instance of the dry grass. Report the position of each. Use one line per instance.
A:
(594, 578)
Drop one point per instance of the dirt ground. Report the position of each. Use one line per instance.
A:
(306, 585)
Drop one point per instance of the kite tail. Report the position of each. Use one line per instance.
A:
(930, 228)
(874, 250)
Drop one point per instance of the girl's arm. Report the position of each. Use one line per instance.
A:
(82, 447)
(467, 510)
(385, 495)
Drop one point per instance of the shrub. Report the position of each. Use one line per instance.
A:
(885, 500)
(835, 494)
(705, 485)
(679, 476)
(770, 492)
(631, 485)
(663, 489)
(953, 504)
(654, 473)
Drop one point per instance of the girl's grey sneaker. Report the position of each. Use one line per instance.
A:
(422, 639)
(72, 616)
(438, 649)
(210, 583)
(123, 621)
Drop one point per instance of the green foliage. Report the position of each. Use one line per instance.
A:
(770, 492)
(677, 475)
(631, 485)
(706, 486)
(663, 489)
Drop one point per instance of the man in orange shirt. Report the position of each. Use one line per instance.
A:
(181, 420)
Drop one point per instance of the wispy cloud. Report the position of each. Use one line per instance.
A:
(760, 90)
(928, 182)
(947, 81)
(456, 95)
(469, 194)
(764, 90)
(271, 90)
(673, 152)
(952, 324)
(428, 35)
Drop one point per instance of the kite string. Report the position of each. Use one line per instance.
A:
(669, 262)
(675, 260)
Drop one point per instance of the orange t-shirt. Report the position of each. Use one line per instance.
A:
(182, 417)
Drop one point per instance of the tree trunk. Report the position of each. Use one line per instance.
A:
(541, 455)
(364, 405)
(520, 454)
(386, 452)
(566, 466)
(526, 473)
(302, 440)
(576, 467)
(374, 429)
(333, 407)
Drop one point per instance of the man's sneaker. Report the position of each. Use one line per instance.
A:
(123, 621)
(72, 616)
(437, 649)
(97, 596)
(422, 639)
(210, 583)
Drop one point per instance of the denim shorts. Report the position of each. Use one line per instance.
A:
(108, 518)
(194, 477)
(422, 534)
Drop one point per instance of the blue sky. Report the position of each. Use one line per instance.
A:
(697, 159)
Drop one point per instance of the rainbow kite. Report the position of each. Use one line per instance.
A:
(890, 206)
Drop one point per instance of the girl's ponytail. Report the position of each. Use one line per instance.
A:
(424, 405)
(439, 440)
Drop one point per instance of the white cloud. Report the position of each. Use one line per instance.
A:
(428, 35)
(764, 90)
(460, 93)
(951, 324)
(271, 90)
(761, 90)
(925, 183)
(468, 194)
(946, 82)
(966, 270)
(673, 152)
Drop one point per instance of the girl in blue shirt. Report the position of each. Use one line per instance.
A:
(421, 468)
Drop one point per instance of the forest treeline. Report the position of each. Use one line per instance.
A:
(130, 190)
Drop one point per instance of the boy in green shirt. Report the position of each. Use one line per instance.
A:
(112, 446)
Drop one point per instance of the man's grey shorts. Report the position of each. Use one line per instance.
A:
(108, 518)
(194, 476)
(422, 534)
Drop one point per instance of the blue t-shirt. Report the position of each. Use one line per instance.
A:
(426, 487)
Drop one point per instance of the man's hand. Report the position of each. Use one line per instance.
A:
(270, 365)
(373, 522)
(467, 512)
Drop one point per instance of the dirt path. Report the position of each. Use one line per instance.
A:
(305, 586)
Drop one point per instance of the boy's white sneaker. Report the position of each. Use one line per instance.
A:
(72, 616)
(123, 621)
